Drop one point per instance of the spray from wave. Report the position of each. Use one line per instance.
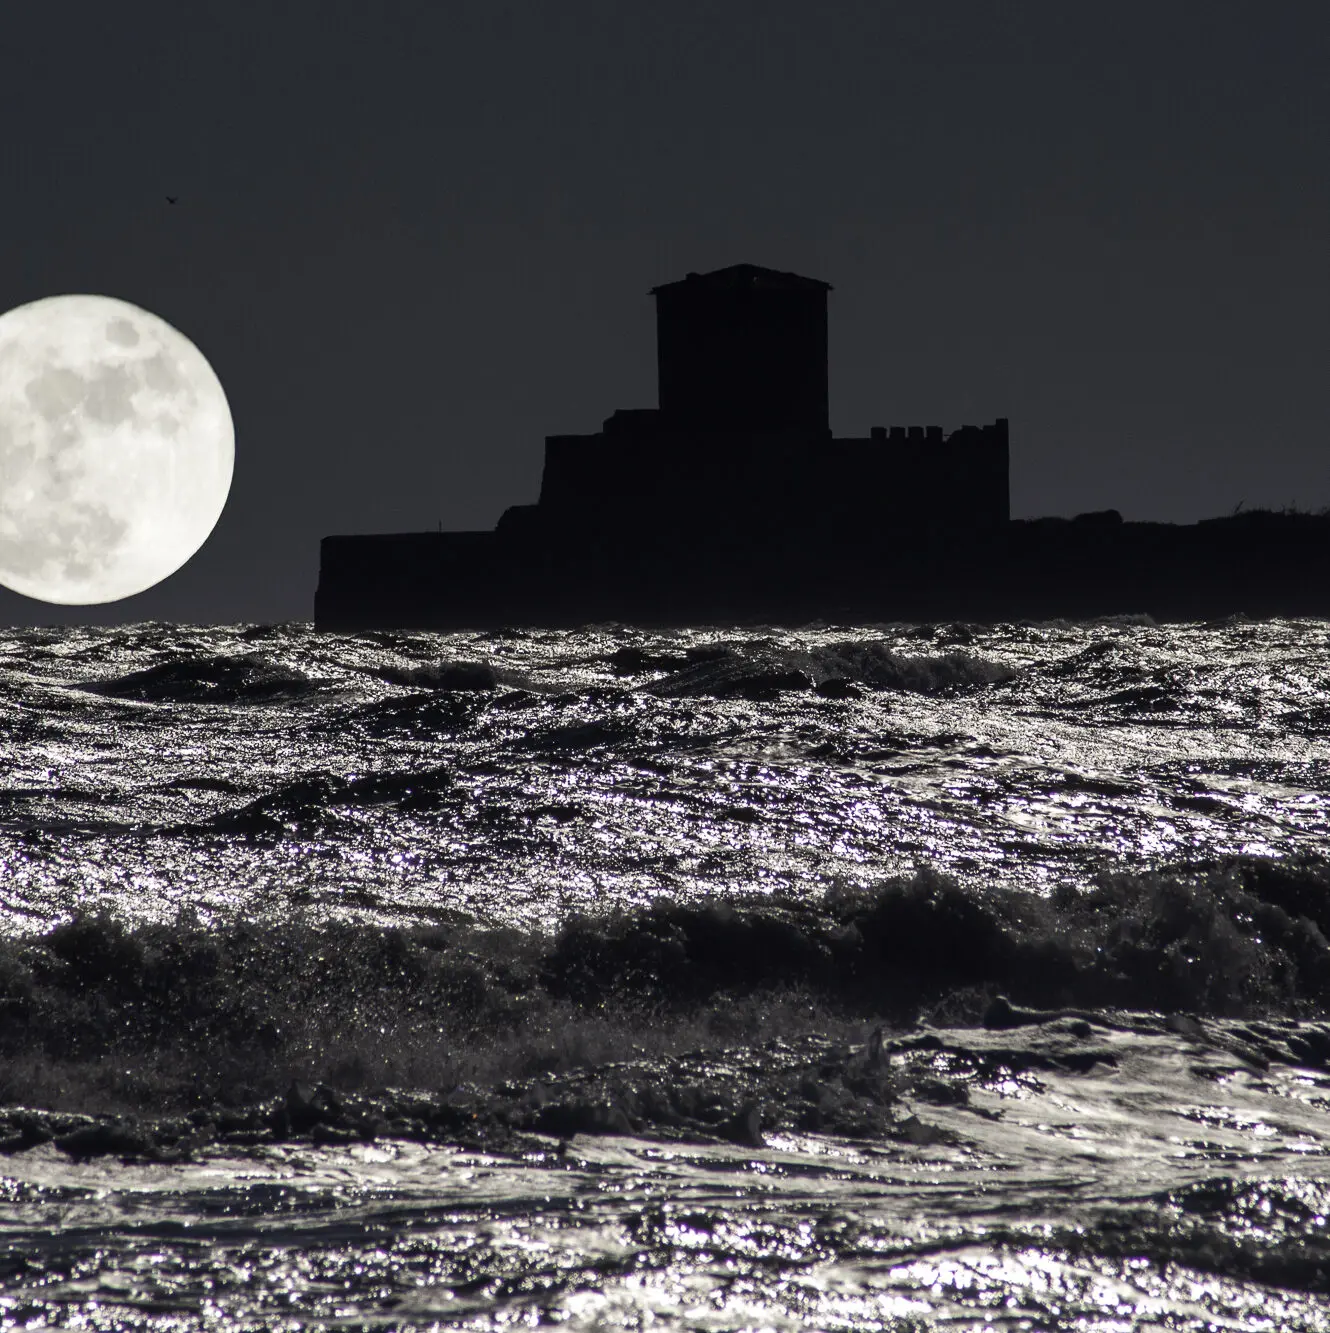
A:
(197, 1011)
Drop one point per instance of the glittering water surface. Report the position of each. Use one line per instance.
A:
(514, 778)
(1151, 1196)
(271, 769)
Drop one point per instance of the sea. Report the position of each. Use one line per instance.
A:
(890, 976)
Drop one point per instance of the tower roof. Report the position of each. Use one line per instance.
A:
(745, 275)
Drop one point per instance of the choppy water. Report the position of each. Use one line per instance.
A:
(266, 770)
(193, 780)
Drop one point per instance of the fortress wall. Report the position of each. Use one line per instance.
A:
(713, 477)
(410, 580)
(915, 489)
(977, 460)
(1276, 565)
(921, 489)
(1265, 564)
(579, 471)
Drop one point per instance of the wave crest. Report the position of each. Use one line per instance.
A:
(218, 680)
(767, 671)
(1238, 939)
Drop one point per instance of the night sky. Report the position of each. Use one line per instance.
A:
(415, 238)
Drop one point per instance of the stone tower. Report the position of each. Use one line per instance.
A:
(743, 350)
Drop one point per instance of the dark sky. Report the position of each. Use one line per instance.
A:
(416, 236)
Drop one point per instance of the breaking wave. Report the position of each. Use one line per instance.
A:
(448, 896)
(1241, 939)
(453, 676)
(760, 673)
(215, 680)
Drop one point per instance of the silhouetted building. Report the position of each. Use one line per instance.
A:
(730, 500)
(743, 349)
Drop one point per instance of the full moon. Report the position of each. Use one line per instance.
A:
(116, 449)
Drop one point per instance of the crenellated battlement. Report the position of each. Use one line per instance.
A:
(929, 434)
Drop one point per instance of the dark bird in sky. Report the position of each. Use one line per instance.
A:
(171, 198)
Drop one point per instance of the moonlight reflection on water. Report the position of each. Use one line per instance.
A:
(273, 771)
(1105, 1171)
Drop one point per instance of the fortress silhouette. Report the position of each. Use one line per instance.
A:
(732, 502)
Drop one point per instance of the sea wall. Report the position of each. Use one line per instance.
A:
(530, 572)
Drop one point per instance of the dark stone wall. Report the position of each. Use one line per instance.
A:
(782, 487)
(411, 580)
(686, 481)
(1260, 564)
(915, 489)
